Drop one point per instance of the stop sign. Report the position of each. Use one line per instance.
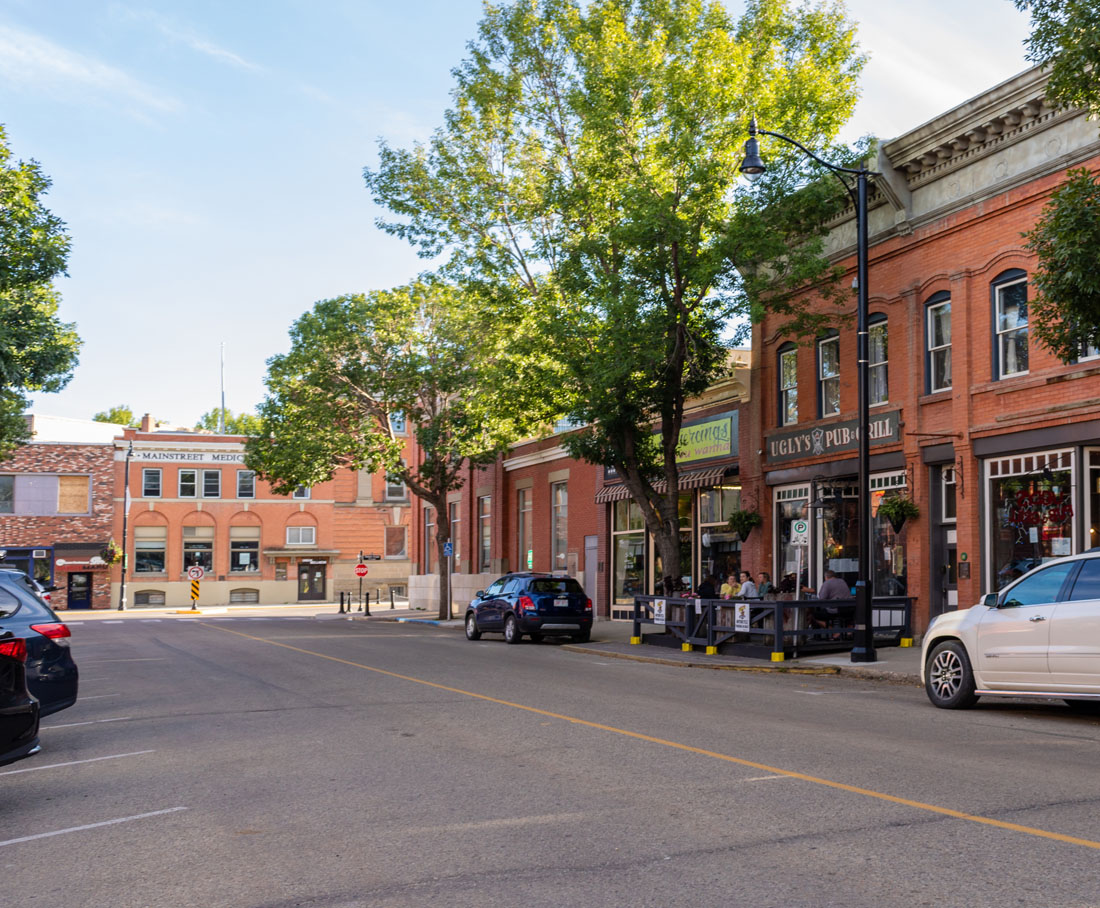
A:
(360, 570)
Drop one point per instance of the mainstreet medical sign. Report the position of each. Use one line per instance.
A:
(834, 438)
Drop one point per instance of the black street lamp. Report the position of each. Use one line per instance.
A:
(753, 167)
(125, 520)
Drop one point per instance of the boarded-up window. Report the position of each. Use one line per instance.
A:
(72, 494)
(149, 597)
(395, 542)
(244, 596)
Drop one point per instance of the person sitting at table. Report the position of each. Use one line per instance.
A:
(730, 587)
(748, 588)
(705, 590)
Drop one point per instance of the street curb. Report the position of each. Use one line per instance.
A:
(764, 668)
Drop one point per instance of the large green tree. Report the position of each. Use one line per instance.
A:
(588, 167)
(430, 353)
(1065, 35)
(37, 350)
(235, 423)
(120, 415)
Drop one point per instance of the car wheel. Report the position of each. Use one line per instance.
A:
(511, 630)
(472, 633)
(949, 680)
(1088, 707)
(582, 637)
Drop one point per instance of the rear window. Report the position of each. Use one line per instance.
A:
(9, 605)
(555, 585)
(16, 591)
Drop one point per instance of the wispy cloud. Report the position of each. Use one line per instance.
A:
(28, 59)
(187, 36)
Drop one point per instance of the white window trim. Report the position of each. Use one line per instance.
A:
(302, 492)
(883, 364)
(784, 389)
(160, 481)
(299, 529)
(253, 474)
(823, 379)
(998, 295)
(206, 473)
(179, 483)
(933, 350)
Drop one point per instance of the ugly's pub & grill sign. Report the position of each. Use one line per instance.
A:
(834, 438)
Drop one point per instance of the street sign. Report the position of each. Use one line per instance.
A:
(360, 570)
(448, 549)
(195, 572)
(195, 590)
(800, 532)
(659, 611)
(741, 618)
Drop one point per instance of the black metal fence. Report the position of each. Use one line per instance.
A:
(763, 627)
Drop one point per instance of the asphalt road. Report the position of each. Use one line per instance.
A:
(245, 762)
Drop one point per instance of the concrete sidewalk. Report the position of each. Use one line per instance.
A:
(611, 639)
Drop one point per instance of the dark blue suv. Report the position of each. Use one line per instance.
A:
(538, 605)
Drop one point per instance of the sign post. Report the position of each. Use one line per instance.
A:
(449, 554)
(361, 572)
(195, 573)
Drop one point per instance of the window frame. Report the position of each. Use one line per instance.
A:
(935, 303)
(251, 474)
(302, 493)
(787, 394)
(524, 528)
(206, 476)
(878, 322)
(146, 474)
(194, 483)
(825, 382)
(559, 521)
(404, 539)
(300, 528)
(1012, 278)
(484, 532)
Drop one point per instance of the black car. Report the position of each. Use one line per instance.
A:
(18, 709)
(52, 675)
(538, 605)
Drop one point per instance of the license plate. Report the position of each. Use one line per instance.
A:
(562, 602)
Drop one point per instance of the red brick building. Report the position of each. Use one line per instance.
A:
(57, 509)
(996, 441)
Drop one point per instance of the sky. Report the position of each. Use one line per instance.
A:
(207, 159)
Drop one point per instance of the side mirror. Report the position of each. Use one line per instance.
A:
(480, 594)
(989, 600)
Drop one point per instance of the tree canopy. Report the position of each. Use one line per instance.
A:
(37, 350)
(120, 415)
(588, 167)
(235, 423)
(1066, 36)
(430, 356)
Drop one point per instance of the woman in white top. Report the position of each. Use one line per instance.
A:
(748, 588)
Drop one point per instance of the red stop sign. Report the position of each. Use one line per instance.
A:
(360, 570)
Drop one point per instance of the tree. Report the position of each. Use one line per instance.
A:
(37, 350)
(1066, 36)
(1065, 310)
(120, 415)
(430, 353)
(588, 167)
(235, 423)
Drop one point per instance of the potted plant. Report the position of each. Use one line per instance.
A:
(897, 509)
(112, 554)
(743, 522)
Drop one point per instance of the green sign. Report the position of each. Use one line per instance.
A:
(705, 440)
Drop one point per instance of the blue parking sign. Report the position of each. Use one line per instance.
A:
(448, 549)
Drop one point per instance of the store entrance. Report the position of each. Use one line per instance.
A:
(311, 581)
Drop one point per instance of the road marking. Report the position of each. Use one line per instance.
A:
(762, 778)
(151, 620)
(142, 659)
(46, 835)
(112, 621)
(12, 772)
(90, 721)
(98, 697)
(688, 748)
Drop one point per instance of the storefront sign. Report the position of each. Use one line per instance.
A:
(834, 438)
(187, 456)
(705, 440)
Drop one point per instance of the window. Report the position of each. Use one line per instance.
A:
(246, 484)
(525, 530)
(828, 376)
(878, 385)
(559, 525)
(149, 597)
(188, 483)
(149, 547)
(397, 423)
(301, 535)
(484, 531)
(150, 482)
(456, 531)
(396, 542)
(429, 540)
(302, 492)
(72, 494)
(788, 386)
(211, 483)
(947, 477)
(1040, 588)
(243, 596)
(627, 551)
(1087, 584)
(244, 549)
(939, 345)
(7, 494)
(395, 488)
(198, 547)
(1010, 304)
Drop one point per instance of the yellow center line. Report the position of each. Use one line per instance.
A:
(687, 748)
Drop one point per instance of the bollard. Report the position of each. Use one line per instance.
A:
(341, 603)
(368, 604)
(391, 598)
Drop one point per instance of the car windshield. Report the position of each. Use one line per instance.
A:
(555, 585)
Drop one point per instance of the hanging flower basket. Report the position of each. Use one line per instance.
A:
(897, 509)
(112, 554)
(743, 522)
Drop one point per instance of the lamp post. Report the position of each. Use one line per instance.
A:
(125, 519)
(753, 167)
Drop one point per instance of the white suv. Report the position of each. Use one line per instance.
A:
(1038, 637)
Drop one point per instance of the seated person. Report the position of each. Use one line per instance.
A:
(705, 590)
(730, 587)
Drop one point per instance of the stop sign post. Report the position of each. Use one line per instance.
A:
(361, 572)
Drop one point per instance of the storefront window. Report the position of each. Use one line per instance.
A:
(628, 551)
(840, 531)
(719, 549)
(792, 570)
(1032, 513)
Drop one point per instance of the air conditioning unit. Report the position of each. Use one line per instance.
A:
(40, 553)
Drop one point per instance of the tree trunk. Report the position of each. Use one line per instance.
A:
(666, 541)
(441, 541)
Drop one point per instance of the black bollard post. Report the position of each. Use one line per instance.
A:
(341, 602)
(391, 597)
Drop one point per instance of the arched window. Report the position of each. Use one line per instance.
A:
(828, 375)
(1008, 294)
(878, 383)
(937, 311)
(788, 384)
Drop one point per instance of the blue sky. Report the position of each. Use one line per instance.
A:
(207, 157)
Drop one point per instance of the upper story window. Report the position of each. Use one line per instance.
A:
(828, 376)
(188, 483)
(788, 386)
(559, 526)
(301, 535)
(1010, 324)
(939, 343)
(302, 492)
(43, 495)
(948, 502)
(395, 489)
(397, 423)
(878, 384)
(150, 482)
(211, 483)
(246, 484)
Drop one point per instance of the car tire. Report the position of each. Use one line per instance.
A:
(582, 637)
(472, 633)
(948, 677)
(1085, 707)
(511, 630)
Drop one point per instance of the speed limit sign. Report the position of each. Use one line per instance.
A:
(195, 572)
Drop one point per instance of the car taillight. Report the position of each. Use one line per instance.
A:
(527, 604)
(14, 649)
(588, 605)
(53, 631)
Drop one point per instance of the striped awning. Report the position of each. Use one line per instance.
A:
(690, 479)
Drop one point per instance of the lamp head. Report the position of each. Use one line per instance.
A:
(753, 165)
